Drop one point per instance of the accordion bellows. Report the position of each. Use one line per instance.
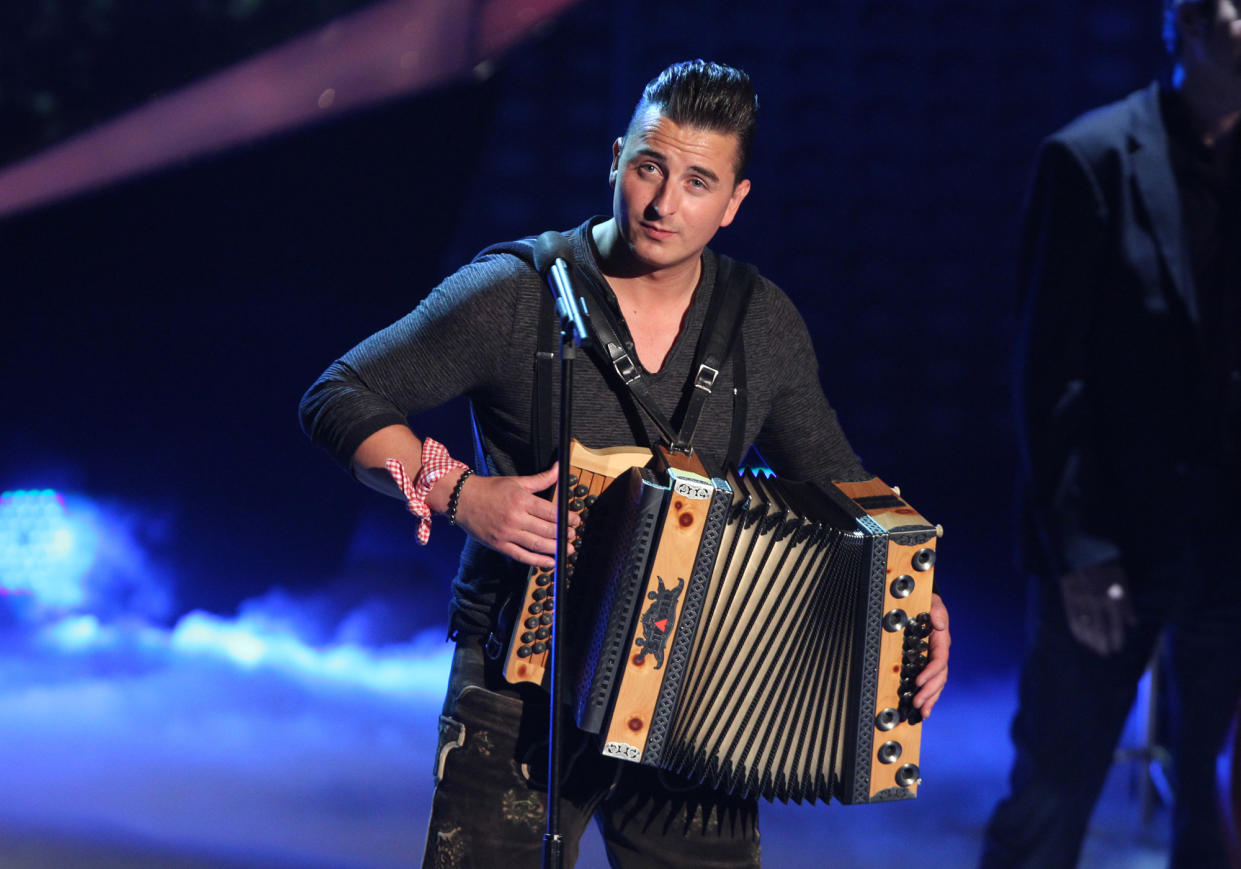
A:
(755, 634)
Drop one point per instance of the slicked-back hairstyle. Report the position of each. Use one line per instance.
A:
(1171, 33)
(707, 96)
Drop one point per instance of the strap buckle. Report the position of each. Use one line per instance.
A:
(705, 379)
(623, 363)
(493, 648)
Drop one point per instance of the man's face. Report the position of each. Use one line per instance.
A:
(673, 188)
(1213, 42)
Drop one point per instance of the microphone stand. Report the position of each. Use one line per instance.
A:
(572, 336)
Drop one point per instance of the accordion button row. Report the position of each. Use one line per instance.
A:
(914, 658)
(526, 651)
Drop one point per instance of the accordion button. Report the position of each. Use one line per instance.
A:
(542, 634)
(545, 619)
(546, 605)
(540, 648)
(887, 719)
(528, 637)
(894, 620)
(535, 608)
(543, 579)
(924, 559)
(889, 752)
(902, 586)
(581, 491)
(591, 499)
(532, 622)
(524, 652)
(908, 775)
(576, 505)
(539, 593)
(572, 480)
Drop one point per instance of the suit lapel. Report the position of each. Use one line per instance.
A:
(1156, 185)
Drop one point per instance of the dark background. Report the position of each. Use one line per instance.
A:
(156, 336)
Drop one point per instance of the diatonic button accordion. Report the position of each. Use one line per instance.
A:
(752, 633)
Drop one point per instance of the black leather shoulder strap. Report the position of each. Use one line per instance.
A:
(721, 333)
(542, 424)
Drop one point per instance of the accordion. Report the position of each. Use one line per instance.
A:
(755, 634)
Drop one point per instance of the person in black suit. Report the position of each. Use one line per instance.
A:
(1129, 414)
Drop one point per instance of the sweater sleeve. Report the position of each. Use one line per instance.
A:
(426, 358)
(801, 438)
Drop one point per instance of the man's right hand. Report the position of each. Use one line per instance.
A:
(506, 514)
(1098, 606)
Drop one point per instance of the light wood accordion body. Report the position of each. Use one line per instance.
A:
(758, 635)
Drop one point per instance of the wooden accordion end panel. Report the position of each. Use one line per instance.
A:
(591, 471)
(758, 635)
(907, 581)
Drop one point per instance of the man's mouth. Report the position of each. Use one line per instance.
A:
(656, 232)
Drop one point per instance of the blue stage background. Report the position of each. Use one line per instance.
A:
(157, 334)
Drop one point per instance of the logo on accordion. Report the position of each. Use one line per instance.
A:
(658, 622)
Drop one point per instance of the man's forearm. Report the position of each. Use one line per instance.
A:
(398, 442)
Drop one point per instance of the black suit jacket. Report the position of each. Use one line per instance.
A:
(1109, 406)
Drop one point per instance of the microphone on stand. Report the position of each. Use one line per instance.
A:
(552, 258)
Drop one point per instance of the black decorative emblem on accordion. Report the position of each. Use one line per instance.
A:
(658, 622)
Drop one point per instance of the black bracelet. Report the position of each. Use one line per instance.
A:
(456, 496)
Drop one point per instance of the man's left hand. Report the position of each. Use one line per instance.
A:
(934, 675)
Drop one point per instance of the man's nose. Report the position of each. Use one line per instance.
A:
(665, 201)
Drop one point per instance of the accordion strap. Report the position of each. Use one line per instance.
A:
(734, 282)
(721, 332)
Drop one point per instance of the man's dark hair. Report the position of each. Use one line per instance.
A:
(1171, 33)
(708, 96)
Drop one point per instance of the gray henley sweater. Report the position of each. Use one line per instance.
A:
(475, 335)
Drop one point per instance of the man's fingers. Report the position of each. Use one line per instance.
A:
(547, 509)
(934, 675)
(540, 481)
(524, 556)
(544, 511)
(928, 696)
(931, 682)
(934, 667)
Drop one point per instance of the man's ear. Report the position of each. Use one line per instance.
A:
(617, 147)
(740, 192)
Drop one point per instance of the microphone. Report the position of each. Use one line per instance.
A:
(552, 257)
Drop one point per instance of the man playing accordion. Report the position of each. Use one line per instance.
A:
(678, 174)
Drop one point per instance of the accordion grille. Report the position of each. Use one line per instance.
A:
(763, 706)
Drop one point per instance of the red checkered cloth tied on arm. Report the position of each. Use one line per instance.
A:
(435, 464)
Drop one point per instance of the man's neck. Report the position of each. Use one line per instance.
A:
(639, 283)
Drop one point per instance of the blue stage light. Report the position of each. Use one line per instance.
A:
(45, 550)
